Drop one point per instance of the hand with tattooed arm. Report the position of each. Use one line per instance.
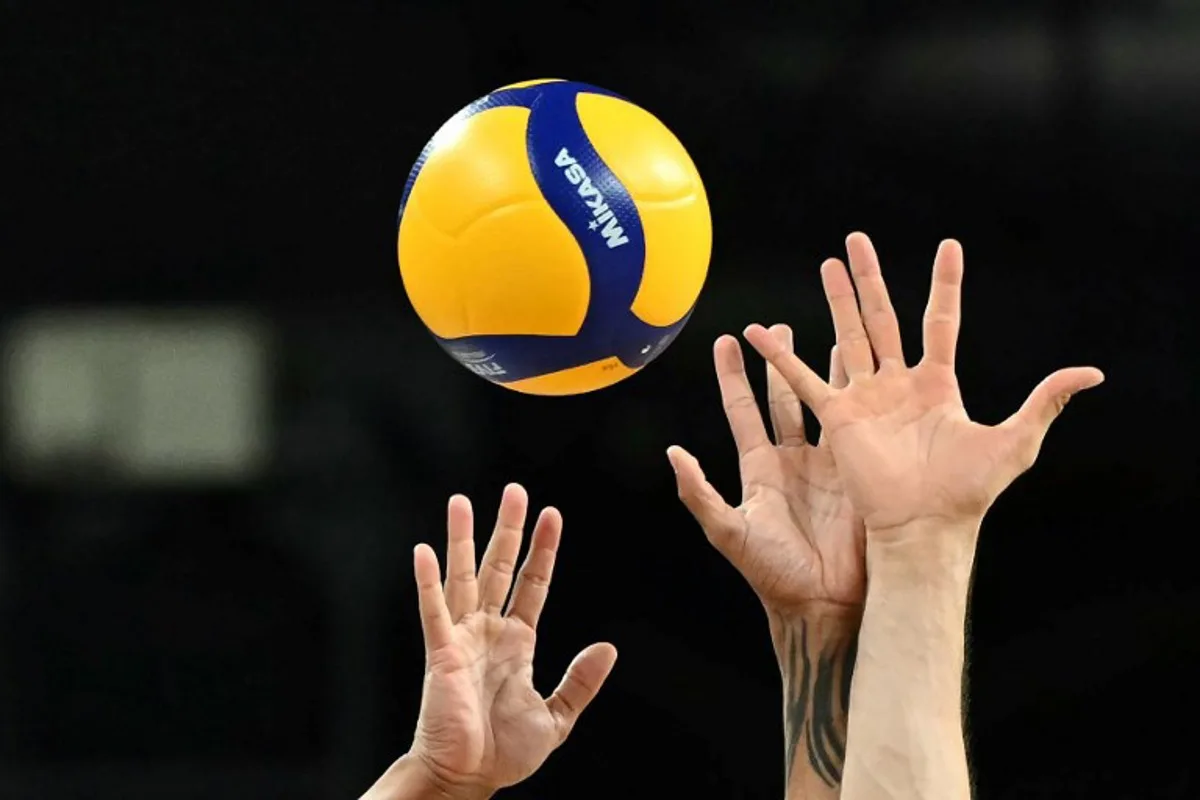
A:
(797, 541)
(922, 475)
(483, 726)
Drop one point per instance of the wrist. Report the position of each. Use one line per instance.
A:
(815, 646)
(918, 583)
(823, 625)
(936, 552)
(823, 612)
(410, 777)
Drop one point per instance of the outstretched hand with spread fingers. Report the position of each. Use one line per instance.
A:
(483, 726)
(795, 536)
(903, 443)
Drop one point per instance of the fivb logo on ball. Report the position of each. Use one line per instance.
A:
(573, 171)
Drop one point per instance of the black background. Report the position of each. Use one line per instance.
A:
(262, 641)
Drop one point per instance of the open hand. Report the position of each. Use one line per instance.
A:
(795, 536)
(905, 448)
(483, 726)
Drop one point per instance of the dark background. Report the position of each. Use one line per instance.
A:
(260, 640)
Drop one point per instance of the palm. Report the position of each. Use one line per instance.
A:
(910, 450)
(482, 723)
(901, 437)
(795, 537)
(802, 538)
(480, 712)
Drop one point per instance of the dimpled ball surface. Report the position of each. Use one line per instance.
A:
(554, 237)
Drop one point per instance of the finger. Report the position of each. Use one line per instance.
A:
(811, 390)
(837, 377)
(944, 310)
(533, 581)
(1032, 421)
(878, 315)
(847, 321)
(462, 590)
(724, 526)
(787, 418)
(580, 685)
(745, 420)
(436, 625)
(500, 558)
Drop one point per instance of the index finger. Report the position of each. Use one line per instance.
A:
(807, 385)
(533, 581)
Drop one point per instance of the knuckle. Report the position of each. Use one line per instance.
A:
(753, 451)
(740, 403)
(940, 318)
(504, 566)
(569, 705)
(783, 399)
(854, 334)
(881, 312)
(537, 580)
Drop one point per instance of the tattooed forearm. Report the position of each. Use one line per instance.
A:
(817, 661)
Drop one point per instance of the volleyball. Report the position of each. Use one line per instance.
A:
(554, 237)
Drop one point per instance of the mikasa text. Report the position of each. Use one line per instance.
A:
(573, 171)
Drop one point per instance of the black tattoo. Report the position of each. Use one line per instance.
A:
(816, 699)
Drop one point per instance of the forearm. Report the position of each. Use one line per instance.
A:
(816, 651)
(906, 702)
(409, 779)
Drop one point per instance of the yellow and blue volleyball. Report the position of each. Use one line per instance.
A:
(554, 237)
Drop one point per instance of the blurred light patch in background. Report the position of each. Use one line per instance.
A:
(141, 397)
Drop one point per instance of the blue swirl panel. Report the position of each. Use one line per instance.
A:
(603, 218)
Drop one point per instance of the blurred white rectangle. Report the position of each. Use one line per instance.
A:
(145, 397)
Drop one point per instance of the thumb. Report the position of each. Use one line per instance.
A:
(580, 685)
(721, 522)
(1032, 421)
